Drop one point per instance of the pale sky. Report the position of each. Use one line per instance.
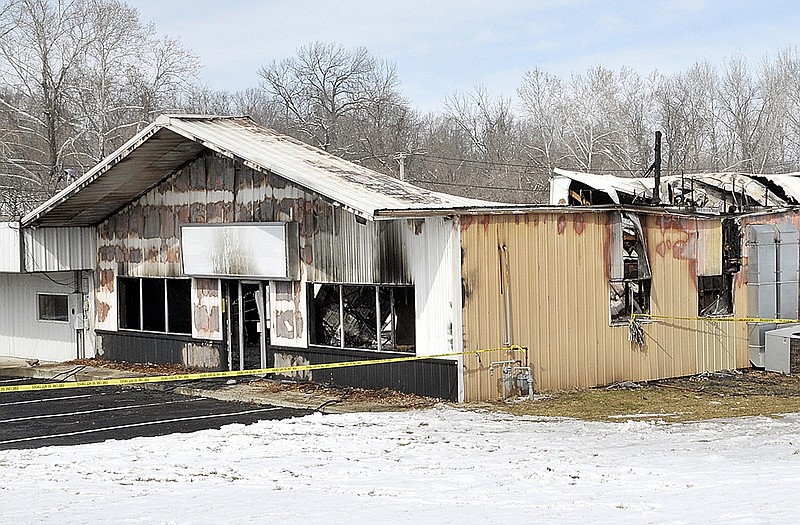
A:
(440, 47)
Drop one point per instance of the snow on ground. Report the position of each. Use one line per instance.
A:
(441, 465)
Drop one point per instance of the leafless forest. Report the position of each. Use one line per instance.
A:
(79, 77)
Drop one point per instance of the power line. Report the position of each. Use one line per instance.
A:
(479, 186)
(688, 170)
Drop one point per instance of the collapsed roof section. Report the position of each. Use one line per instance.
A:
(711, 192)
(173, 140)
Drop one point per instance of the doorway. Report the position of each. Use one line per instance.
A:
(247, 324)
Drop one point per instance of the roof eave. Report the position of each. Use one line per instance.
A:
(91, 175)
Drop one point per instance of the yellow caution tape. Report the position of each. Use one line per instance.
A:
(634, 317)
(236, 373)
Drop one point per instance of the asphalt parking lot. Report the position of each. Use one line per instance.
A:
(89, 415)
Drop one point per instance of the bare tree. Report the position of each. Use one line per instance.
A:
(477, 148)
(543, 99)
(78, 77)
(40, 54)
(344, 101)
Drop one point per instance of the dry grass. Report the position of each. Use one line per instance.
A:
(712, 395)
(747, 393)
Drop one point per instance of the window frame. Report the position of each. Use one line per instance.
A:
(39, 315)
(726, 288)
(168, 308)
(627, 269)
(383, 320)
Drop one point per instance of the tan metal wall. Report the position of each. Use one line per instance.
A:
(559, 295)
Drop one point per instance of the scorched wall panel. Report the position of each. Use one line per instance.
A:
(143, 239)
(557, 281)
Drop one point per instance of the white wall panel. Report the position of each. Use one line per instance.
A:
(59, 249)
(10, 254)
(21, 333)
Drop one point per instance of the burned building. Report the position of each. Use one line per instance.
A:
(217, 244)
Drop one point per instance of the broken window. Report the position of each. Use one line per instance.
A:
(715, 283)
(630, 269)
(731, 246)
(362, 316)
(155, 305)
(53, 307)
(715, 294)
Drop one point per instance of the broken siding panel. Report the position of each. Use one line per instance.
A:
(206, 309)
(560, 266)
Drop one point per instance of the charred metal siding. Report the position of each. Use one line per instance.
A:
(138, 347)
(59, 249)
(433, 251)
(559, 297)
(434, 377)
(206, 309)
(143, 239)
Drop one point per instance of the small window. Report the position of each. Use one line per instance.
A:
(53, 307)
(715, 295)
(628, 298)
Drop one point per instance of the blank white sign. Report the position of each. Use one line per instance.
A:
(260, 250)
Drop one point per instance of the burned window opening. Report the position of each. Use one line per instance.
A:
(179, 301)
(715, 295)
(366, 317)
(628, 298)
(630, 270)
(155, 305)
(731, 246)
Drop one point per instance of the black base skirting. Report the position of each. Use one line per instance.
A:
(425, 377)
(161, 349)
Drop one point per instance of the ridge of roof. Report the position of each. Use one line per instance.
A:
(171, 140)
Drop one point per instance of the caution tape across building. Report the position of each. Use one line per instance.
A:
(138, 380)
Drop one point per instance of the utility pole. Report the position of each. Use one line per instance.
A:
(657, 171)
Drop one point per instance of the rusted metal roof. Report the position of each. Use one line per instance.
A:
(173, 140)
(609, 184)
(713, 191)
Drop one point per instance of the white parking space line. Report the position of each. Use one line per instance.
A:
(44, 400)
(142, 424)
(95, 411)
